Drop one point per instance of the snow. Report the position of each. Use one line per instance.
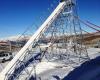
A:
(93, 52)
(43, 66)
(49, 69)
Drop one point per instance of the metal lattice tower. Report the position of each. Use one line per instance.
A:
(59, 40)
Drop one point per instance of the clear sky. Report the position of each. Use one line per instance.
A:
(17, 15)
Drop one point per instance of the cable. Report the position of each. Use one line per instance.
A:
(93, 24)
(86, 24)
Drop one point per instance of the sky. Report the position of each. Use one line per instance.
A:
(17, 15)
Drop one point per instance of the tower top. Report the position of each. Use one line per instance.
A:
(62, 0)
(69, 2)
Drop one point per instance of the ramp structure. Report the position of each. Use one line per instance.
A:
(59, 40)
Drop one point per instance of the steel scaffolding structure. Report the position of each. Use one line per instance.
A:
(59, 39)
